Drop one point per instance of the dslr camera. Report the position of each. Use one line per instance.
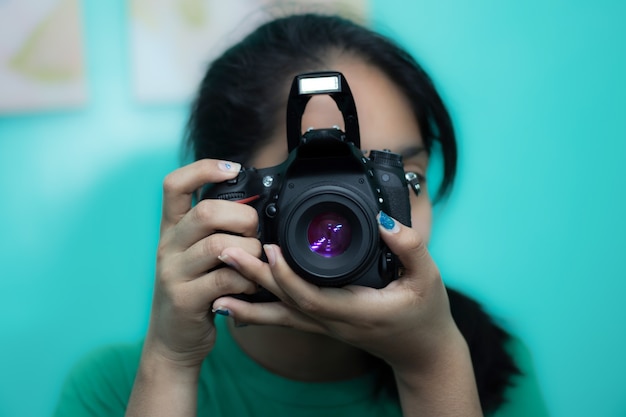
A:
(320, 204)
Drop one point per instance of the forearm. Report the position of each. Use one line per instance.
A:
(443, 387)
(163, 389)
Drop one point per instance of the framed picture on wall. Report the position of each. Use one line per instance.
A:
(172, 41)
(41, 55)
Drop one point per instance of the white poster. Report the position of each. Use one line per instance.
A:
(172, 41)
(41, 55)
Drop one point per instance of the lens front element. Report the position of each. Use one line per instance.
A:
(329, 234)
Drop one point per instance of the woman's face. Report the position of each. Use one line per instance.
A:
(385, 121)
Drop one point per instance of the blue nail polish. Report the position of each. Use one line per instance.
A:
(386, 221)
(228, 166)
(221, 311)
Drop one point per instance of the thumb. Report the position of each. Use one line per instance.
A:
(405, 242)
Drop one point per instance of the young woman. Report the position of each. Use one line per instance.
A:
(412, 348)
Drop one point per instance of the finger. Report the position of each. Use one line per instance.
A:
(335, 305)
(179, 186)
(272, 313)
(408, 245)
(252, 268)
(203, 255)
(342, 304)
(210, 216)
(200, 293)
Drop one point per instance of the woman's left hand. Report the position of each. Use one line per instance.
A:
(407, 323)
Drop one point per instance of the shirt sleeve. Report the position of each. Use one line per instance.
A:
(100, 384)
(524, 398)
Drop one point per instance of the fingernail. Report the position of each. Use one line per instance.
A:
(229, 166)
(270, 252)
(222, 311)
(228, 261)
(387, 222)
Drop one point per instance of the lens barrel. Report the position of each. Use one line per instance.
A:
(329, 236)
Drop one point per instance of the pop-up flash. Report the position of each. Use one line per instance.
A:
(319, 85)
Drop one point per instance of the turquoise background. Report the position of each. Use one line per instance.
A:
(534, 229)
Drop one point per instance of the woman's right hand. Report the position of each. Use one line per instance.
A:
(189, 275)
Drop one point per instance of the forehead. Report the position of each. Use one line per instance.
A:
(386, 119)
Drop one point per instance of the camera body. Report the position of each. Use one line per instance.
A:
(320, 204)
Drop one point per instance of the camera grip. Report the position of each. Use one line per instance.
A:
(398, 204)
(245, 188)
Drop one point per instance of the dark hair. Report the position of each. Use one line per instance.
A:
(239, 102)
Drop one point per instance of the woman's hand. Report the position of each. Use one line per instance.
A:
(411, 312)
(408, 323)
(188, 279)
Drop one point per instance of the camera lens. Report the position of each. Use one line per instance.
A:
(329, 234)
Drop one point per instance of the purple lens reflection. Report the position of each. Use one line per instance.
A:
(329, 234)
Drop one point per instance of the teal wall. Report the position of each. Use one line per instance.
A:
(535, 228)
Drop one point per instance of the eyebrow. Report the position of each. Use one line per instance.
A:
(412, 151)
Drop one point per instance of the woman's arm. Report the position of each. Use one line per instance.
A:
(443, 387)
(181, 331)
(163, 388)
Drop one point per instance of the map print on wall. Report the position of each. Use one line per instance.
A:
(41, 55)
(172, 41)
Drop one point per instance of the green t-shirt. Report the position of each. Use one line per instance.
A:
(232, 384)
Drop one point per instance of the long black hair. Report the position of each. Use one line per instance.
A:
(242, 98)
